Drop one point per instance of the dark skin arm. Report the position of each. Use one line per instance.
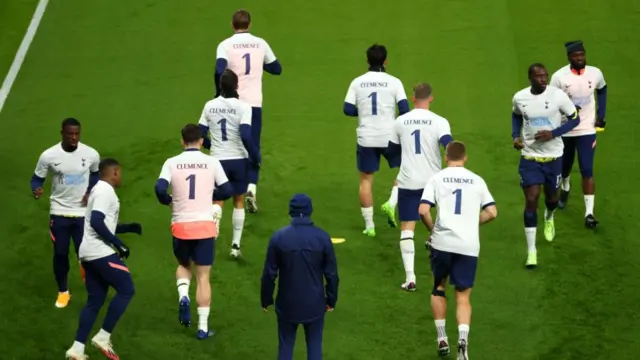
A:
(517, 143)
(543, 135)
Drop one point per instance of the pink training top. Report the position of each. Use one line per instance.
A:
(193, 177)
(581, 87)
(246, 55)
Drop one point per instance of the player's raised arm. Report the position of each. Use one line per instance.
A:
(426, 203)
(489, 211)
(223, 189)
(162, 185)
(349, 107)
(269, 273)
(401, 99)
(222, 60)
(569, 110)
(271, 63)
(203, 125)
(99, 209)
(39, 176)
(601, 98)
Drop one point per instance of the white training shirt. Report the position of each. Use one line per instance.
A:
(246, 54)
(193, 177)
(376, 95)
(103, 198)
(581, 90)
(459, 195)
(418, 132)
(542, 112)
(71, 172)
(224, 116)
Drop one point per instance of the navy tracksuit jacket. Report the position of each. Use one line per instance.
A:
(302, 256)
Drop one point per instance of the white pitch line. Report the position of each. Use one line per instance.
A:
(22, 52)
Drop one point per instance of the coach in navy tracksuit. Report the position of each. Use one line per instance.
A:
(302, 255)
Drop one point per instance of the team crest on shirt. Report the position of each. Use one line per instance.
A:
(83, 162)
(546, 104)
(589, 84)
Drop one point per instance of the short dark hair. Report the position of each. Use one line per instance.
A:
(422, 91)
(241, 19)
(229, 82)
(534, 66)
(107, 163)
(191, 134)
(456, 151)
(70, 122)
(376, 55)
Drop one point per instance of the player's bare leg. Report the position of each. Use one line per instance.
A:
(183, 280)
(531, 195)
(238, 225)
(439, 308)
(407, 250)
(203, 298)
(366, 203)
(463, 315)
(389, 208)
(551, 203)
(589, 190)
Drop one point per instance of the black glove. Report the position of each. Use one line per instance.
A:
(600, 122)
(123, 251)
(136, 228)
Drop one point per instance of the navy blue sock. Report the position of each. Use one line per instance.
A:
(530, 218)
(88, 316)
(117, 307)
(61, 271)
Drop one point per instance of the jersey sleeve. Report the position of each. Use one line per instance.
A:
(203, 117)
(601, 83)
(42, 167)
(95, 161)
(351, 94)
(219, 175)
(269, 55)
(444, 129)
(514, 107)
(221, 52)
(555, 81)
(565, 104)
(429, 193)
(395, 134)
(400, 93)
(246, 116)
(101, 200)
(165, 173)
(486, 197)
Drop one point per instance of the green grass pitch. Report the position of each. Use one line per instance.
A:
(134, 72)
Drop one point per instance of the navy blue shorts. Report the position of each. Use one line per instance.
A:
(585, 146)
(62, 230)
(408, 204)
(201, 252)
(110, 271)
(237, 171)
(369, 158)
(539, 173)
(460, 269)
